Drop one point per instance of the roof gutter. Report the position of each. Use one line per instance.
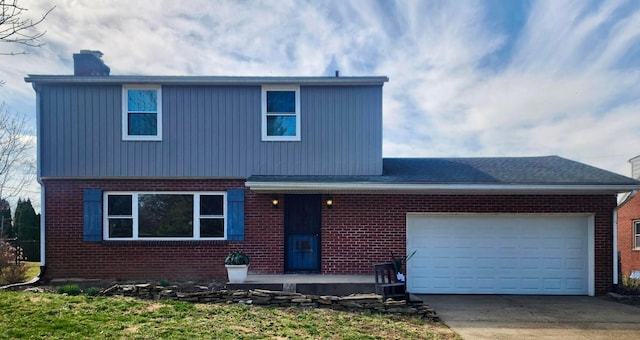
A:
(205, 80)
(437, 188)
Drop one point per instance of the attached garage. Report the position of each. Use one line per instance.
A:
(548, 254)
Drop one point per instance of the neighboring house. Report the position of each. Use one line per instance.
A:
(161, 176)
(629, 227)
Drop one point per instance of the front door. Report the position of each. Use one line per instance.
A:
(302, 232)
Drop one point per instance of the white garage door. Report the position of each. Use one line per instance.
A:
(499, 254)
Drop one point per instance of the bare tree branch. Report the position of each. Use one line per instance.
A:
(17, 163)
(15, 29)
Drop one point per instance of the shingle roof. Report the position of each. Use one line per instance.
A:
(500, 171)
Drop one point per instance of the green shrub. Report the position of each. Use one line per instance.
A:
(71, 289)
(630, 286)
(92, 291)
(164, 283)
(237, 257)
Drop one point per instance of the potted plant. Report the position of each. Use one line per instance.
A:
(398, 264)
(237, 263)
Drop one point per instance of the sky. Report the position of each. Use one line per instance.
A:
(466, 78)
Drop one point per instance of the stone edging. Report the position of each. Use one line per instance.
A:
(356, 302)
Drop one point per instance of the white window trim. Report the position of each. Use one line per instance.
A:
(634, 226)
(125, 113)
(266, 88)
(134, 212)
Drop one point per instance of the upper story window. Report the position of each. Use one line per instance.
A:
(280, 113)
(142, 112)
(165, 216)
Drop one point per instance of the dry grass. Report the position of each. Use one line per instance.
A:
(31, 315)
(33, 269)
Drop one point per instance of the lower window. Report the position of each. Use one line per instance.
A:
(165, 215)
(636, 234)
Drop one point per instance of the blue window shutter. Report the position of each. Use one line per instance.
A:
(235, 218)
(92, 215)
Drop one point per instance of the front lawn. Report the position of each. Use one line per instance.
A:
(33, 270)
(39, 315)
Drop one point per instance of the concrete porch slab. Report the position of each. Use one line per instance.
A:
(316, 284)
(309, 278)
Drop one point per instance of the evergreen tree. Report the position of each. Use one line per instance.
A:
(6, 228)
(27, 226)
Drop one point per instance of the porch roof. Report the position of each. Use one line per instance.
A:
(515, 175)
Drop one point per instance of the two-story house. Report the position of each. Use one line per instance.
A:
(161, 176)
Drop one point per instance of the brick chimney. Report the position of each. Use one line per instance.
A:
(89, 63)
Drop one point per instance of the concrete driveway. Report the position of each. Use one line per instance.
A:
(536, 317)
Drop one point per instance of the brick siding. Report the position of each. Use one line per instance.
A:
(358, 231)
(627, 214)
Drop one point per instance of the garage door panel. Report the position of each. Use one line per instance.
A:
(575, 264)
(575, 243)
(485, 283)
(498, 254)
(552, 263)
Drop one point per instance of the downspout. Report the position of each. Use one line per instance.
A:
(615, 247)
(43, 254)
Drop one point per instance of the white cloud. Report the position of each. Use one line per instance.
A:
(555, 96)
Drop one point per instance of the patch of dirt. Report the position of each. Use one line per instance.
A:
(132, 329)
(38, 299)
(153, 307)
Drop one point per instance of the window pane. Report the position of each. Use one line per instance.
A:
(143, 124)
(637, 228)
(281, 125)
(211, 227)
(211, 205)
(165, 215)
(120, 227)
(142, 100)
(281, 101)
(637, 245)
(119, 205)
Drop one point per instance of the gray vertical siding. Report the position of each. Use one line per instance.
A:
(209, 131)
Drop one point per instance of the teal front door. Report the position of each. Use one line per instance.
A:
(302, 222)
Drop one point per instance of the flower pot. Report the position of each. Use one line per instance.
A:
(237, 273)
